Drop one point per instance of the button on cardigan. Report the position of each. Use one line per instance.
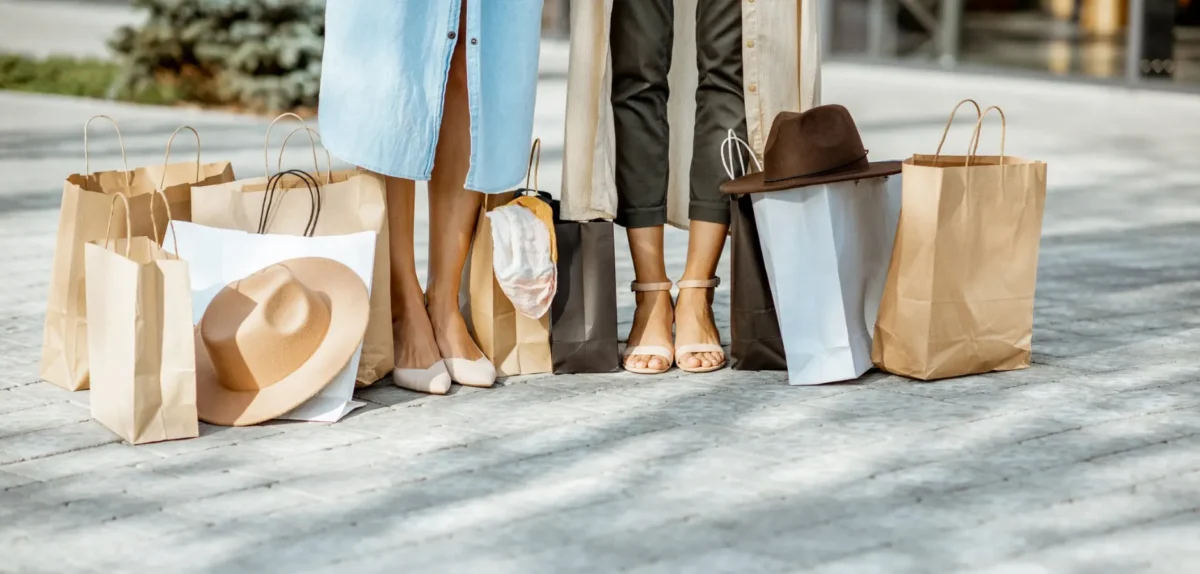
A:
(383, 79)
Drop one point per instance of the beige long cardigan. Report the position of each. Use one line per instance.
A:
(782, 72)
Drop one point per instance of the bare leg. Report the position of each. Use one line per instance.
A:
(694, 321)
(411, 330)
(453, 212)
(653, 318)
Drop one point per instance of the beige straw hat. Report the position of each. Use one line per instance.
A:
(271, 341)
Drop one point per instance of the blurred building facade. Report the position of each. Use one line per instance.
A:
(1139, 42)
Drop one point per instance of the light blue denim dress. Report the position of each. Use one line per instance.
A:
(383, 78)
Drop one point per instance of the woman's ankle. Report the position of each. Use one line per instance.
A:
(652, 298)
(688, 297)
(441, 307)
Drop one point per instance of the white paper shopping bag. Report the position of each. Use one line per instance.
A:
(827, 250)
(220, 256)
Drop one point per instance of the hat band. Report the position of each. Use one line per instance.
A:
(860, 161)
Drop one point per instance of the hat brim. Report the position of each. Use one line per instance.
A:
(755, 183)
(349, 308)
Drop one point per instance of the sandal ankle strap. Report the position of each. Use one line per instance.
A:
(642, 287)
(699, 283)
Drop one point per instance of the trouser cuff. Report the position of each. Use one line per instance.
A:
(709, 211)
(636, 217)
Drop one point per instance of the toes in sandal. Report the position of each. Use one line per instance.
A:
(697, 348)
(648, 350)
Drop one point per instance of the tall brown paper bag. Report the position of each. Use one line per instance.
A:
(140, 339)
(960, 287)
(351, 201)
(516, 344)
(86, 200)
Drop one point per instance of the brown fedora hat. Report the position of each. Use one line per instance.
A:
(271, 341)
(819, 146)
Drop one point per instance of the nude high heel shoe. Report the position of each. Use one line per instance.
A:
(433, 380)
(472, 373)
(477, 373)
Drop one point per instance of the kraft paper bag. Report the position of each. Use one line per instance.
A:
(756, 343)
(960, 288)
(583, 316)
(826, 250)
(516, 344)
(86, 201)
(347, 202)
(140, 339)
(220, 256)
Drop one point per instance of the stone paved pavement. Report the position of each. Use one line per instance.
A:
(1088, 462)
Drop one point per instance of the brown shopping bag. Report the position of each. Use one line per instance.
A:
(756, 343)
(516, 344)
(960, 286)
(349, 201)
(583, 323)
(140, 338)
(583, 315)
(86, 202)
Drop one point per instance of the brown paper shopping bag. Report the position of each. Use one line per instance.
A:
(348, 201)
(86, 200)
(516, 344)
(960, 286)
(140, 338)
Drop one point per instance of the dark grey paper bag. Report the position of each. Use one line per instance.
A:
(756, 341)
(583, 316)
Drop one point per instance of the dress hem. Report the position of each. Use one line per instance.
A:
(370, 166)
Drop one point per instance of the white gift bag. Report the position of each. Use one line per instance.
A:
(827, 250)
(218, 257)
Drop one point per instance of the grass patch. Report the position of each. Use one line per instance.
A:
(89, 78)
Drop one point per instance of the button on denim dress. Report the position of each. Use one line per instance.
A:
(383, 79)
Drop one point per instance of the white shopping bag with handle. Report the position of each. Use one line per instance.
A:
(218, 257)
(827, 250)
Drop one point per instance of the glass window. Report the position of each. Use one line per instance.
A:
(1088, 38)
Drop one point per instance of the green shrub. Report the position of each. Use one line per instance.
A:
(260, 54)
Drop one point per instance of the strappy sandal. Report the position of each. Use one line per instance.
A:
(699, 347)
(653, 351)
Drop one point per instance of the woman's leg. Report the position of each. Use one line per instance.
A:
(641, 39)
(453, 212)
(653, 317)
(720, 105)
(412, 331)
(418, 361)
(694, 322)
